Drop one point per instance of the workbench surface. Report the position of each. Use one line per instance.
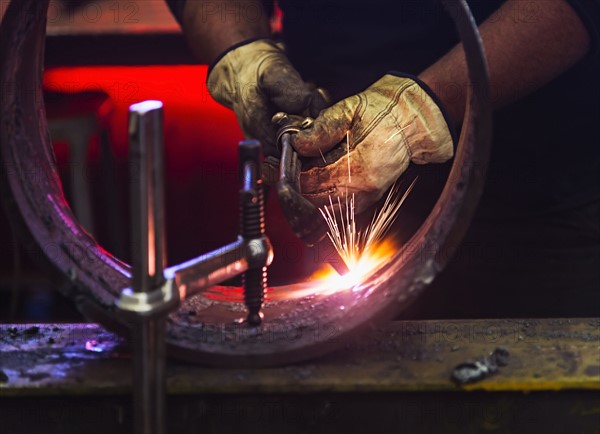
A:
(549, 354)
(73, 378)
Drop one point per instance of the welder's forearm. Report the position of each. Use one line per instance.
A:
(527, 45)
(212, 26)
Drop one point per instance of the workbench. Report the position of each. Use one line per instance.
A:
(75, 378)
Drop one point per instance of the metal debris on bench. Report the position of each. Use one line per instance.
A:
(478, 370)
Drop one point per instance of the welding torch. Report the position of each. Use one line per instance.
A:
(304, 218)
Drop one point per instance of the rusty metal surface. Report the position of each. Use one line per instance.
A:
(37, 202)
(545, 355)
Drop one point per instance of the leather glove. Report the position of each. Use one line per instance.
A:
(256, 80)
(393, 122)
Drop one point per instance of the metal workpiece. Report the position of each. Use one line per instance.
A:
(298, 323)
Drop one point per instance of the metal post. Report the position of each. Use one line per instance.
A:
(148, 260)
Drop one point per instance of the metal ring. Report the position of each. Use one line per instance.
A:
(294, 329)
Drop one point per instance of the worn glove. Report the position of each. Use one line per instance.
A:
(393, 122)
(256, 80)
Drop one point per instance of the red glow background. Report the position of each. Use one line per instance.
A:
(201, 139)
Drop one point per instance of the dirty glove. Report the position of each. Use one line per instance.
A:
(255, 79)
(393, 122)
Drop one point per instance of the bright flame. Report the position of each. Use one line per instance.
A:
(364, 252)
(351, 243)
(327, 281)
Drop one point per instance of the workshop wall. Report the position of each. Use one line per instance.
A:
(200, 143)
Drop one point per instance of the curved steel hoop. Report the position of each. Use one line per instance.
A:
(294, 329)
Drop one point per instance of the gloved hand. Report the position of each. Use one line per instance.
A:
(256, 80)
(393, 122)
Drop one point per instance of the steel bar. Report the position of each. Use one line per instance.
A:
(148, 260)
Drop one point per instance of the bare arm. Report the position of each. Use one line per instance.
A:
(213, 26)
(527, 43)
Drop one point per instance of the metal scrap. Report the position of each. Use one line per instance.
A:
(471, 372)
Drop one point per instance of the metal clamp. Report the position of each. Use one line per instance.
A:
(149, 304)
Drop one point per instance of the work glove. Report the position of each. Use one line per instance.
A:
(257, 80)
(365, 142)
